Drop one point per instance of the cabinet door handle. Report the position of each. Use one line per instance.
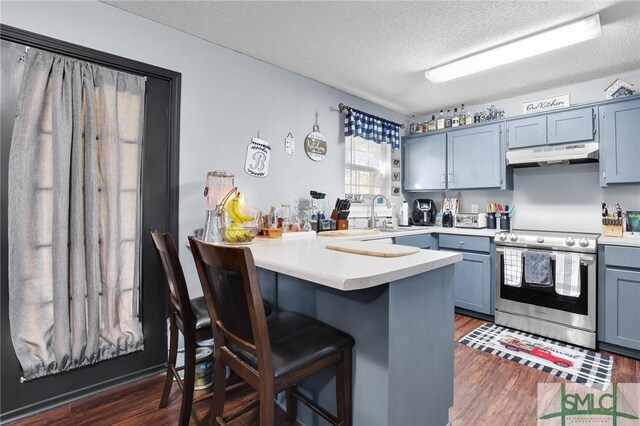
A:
(450, 177)
(442, 181)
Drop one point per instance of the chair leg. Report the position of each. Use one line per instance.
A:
(219, 387)
(343, 388)
(173, 353)
(292, 407)
(267, 411)
(189, 379)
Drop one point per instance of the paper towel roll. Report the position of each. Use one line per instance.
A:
(404, 214)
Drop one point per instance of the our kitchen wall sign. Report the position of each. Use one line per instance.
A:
(257, 161)
(315, 145)
(546, 104)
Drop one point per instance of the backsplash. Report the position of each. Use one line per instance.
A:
(554, 198)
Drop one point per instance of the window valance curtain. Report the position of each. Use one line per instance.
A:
(370, 127)
(74, 214)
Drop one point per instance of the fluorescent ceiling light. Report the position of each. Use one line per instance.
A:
(546, 41)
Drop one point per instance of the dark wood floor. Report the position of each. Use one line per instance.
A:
(489, 390)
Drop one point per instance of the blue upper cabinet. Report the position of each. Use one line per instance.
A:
(475, 157)
(577, 125)
(526, 132)
(424, 163)
(620, 142)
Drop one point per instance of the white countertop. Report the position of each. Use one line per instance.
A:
(416, 230)
(309, 259)
(630, 240)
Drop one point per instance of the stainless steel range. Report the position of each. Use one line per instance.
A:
(564, 307)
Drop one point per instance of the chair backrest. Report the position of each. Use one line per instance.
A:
(230, 285)
(174, 282)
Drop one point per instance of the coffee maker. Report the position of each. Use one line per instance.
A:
(424, 212)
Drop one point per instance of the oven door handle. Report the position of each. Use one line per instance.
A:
(584, 258)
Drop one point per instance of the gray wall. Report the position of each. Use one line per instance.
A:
(227, 98)
(557, 198)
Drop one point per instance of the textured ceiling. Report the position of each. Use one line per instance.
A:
(379, 50)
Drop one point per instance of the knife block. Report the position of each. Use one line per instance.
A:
(612, 227)
(342, 224)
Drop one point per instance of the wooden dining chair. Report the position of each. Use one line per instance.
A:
(189, 316)
(271, 355)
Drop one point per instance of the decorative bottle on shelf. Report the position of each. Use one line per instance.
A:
(440, 122)
(463, 116)
(455, 119)
(469, 119)
(447, 119)
(412, 126)
(432, 123)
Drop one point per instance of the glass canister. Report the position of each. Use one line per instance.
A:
(218, 184)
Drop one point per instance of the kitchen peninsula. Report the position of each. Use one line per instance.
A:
(398, 309)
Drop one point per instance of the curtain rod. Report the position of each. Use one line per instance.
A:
(343, 107)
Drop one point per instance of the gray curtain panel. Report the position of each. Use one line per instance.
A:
(74, 214)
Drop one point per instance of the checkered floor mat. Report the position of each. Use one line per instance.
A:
(560, 359)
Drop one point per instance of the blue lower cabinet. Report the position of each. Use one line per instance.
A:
(473, 283)
(474, 275)
(622, 307)
(619, 298)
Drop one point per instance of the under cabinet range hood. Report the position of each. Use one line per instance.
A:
(574, 153)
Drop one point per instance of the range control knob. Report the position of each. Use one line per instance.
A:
(503, 237)
(540, 240)
(583, 242)
(569, 241)
(513, 237)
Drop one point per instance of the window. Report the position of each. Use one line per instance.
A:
(367, 167)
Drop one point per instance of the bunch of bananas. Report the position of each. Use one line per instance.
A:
(233, 208)
(235, 232)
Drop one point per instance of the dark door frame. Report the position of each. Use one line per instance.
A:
(87, 380)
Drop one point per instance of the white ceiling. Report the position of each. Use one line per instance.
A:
(379, 50)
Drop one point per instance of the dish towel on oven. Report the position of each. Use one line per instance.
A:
(537, 268)
(513, 267)
(568, 274)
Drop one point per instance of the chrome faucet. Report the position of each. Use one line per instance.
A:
(372, 218)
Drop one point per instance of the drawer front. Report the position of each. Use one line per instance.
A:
(571, 126)
(464, 242)
(625, 257)
(421, 241)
